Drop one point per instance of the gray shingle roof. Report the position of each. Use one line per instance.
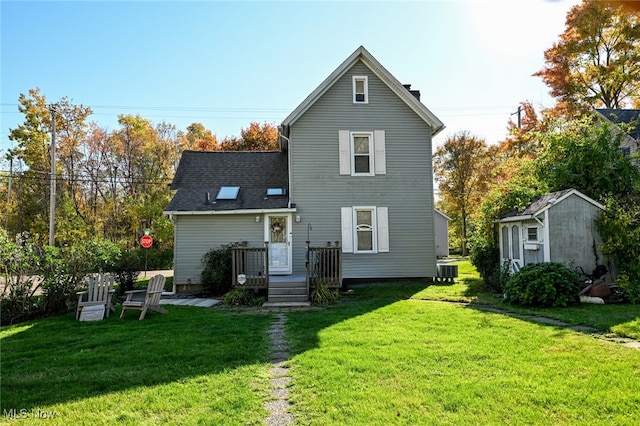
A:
(200, 173)
(538, 204)
(625, 116)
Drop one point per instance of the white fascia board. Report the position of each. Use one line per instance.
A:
(227, 212)
(514, 219)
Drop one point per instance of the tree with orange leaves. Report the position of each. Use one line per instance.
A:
(462, 168)
(199, 138)
(596, 62)
(257, 137)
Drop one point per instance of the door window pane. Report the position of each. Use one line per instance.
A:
(515, 241)
(278, 227)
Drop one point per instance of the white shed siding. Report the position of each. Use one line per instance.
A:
(195, 235)
(320, 192)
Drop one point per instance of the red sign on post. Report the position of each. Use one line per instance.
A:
(146, 241)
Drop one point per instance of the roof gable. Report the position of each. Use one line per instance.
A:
(545, 202)
(362, 55)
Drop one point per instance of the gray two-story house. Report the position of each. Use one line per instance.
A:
(354, 172)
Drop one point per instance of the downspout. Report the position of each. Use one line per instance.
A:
(175, 252)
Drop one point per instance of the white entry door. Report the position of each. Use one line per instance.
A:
(278, 234)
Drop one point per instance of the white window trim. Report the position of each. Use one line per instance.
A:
(380, 229)
(537, 228)
(371, 154)
(377, 150)
(374, 229)
(366, 88)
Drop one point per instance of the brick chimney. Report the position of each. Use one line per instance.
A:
(415, 93)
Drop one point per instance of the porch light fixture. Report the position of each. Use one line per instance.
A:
(257, 219)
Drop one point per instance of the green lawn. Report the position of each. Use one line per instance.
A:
(382, 355)
(192, 365)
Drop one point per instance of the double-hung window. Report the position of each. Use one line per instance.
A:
(362, 153)
(360, 89)
(365, 237)
(365, 229)
(362, 158)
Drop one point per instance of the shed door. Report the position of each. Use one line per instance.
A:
(511, 245)
(278, 234)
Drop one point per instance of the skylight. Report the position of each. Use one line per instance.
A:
(228, 193)
(275, 191)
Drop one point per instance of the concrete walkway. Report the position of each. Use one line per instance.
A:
(191, 301)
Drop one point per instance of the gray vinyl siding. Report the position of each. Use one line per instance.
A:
(573, 233)
(195, 235)
(319, 191)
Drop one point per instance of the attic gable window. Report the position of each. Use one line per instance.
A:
(360, 89)
(228, 193)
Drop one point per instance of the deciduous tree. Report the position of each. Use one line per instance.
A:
(596, 62)
(461, 167)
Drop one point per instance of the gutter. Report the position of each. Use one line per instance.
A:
(229, 212)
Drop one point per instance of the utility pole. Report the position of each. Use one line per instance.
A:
(52, 191)
(9, 188)
(519, 112)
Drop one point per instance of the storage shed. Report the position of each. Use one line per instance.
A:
(557, 227)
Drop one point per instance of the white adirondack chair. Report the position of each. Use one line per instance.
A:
(151, 298)
(99, 292)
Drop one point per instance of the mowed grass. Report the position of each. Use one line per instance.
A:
(190, 366)
(420, 362)
(384, 354)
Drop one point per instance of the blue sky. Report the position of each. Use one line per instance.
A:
(225, 64)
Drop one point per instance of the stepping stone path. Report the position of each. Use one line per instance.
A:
(279, 375)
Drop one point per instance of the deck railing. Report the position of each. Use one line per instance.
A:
(324, 265)
(250, 267)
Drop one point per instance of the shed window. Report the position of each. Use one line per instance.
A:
(532, 233)
(228, 193)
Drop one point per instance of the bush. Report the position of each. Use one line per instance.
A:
(629, 282)
(243, 296)
(497, 281)
(543, 284)
(486, 258)
(216, 276)
(127, 270)
(19, 263)
(154, 259)
(64, 270)
(323, 295)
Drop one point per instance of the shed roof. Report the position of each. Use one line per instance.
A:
(540, 204)
(361, 54)
(201, 173)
